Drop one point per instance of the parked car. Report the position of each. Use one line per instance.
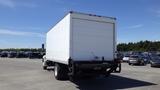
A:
(20, 55)
(119, 56)
(27, 54)
(35, 55)
(12, 54)
(136, 60)
(126, 58)
(4, 54)
(155, 61)
(146, 58)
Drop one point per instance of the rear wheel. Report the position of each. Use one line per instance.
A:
(129, 63)
(44, 67)
(60, 72)
(107, 74)
(143, 64)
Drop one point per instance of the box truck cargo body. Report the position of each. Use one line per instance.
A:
(82, 42)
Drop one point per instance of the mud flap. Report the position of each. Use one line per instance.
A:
(117, 68)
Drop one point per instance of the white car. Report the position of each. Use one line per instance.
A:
(126, 58)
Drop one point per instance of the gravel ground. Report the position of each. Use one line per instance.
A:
(27, 74)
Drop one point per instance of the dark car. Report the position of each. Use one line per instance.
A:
(27, 54)
(35, 55)
(20, 55)
(12, 54)
(155, 61)
(4, 54)
(146, 59)
(119, 56)
(136, 60)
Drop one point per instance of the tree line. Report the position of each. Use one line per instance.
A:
(23, 49)
(131, 46)
(139, 46)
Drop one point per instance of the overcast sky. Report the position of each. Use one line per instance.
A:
(24, 23)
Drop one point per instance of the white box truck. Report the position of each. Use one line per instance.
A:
(82, 44)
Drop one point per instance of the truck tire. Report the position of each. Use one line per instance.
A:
(60, 72)
(44, 67)
(107, 74)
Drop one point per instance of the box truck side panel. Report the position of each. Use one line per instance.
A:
(57, 43)
(93, 39)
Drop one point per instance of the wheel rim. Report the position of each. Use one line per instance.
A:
(55, 71)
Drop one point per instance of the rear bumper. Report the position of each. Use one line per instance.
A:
(134, 62)
(93, 64)
(155, 64)
(97, 67)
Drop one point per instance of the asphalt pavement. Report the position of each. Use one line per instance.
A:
(27, 74)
